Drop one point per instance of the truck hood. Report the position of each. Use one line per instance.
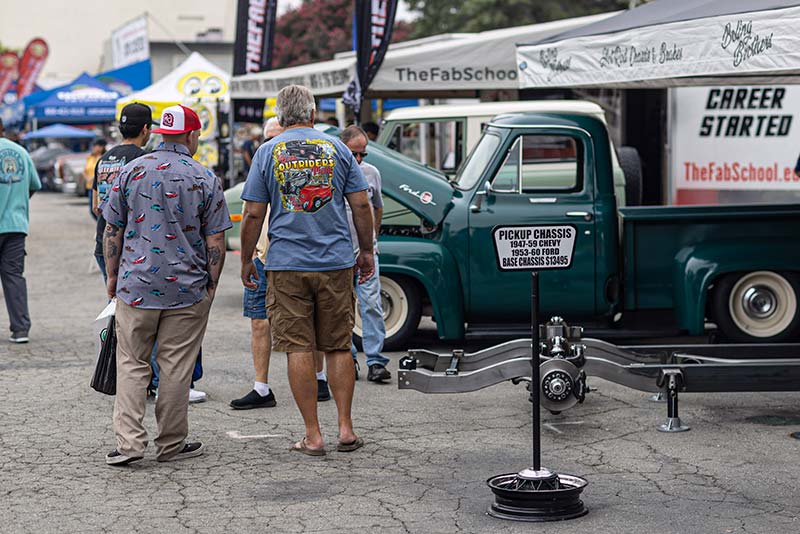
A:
(421, 189)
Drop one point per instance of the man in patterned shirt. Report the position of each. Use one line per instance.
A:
(164, 247)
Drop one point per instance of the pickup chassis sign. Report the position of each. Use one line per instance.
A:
(534, 248)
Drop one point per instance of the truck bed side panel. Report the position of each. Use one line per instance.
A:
(657, 239)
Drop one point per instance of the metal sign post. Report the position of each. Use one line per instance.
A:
(535, 374)
(535, 493)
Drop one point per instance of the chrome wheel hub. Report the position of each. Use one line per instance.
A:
(759, 302)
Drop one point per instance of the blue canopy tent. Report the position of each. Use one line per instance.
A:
(59, 131)
(12, 109)
(13, 115)
(128, 79)
(83, 101)
(123, 81)
(11, 95)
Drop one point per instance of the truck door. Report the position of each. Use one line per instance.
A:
(544, 179)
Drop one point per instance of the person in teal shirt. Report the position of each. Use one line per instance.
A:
(18, 181)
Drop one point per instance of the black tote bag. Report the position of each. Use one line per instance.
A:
(105, 372)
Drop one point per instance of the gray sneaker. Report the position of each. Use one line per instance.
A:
(117, 458)
(189, 450)
(19, 337)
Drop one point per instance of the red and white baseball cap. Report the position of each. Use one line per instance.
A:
(177, 120)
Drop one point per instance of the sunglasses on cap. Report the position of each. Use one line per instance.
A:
(359, 154)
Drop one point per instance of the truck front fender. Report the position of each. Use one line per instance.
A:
(434, 267)
(696, 267)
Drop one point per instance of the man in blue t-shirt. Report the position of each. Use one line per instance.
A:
(18, 181)
(306, 177)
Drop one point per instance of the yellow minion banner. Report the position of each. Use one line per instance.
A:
(196, 83)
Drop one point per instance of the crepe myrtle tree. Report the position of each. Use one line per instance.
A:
(316, 30)
(446, 16)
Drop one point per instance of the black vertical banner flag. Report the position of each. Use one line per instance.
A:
(374, 23)
(248, 110)
(255, 35)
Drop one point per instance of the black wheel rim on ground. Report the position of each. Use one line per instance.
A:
(515, 501)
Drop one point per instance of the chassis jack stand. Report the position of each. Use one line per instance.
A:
(673, 378)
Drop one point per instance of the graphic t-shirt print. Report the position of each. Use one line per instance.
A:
(107, 171)
(11, 166)
(304, 173)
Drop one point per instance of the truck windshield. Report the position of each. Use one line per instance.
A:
(477, 162)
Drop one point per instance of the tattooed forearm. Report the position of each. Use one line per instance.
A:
(112, 243)
(112, 230)
(215, 247)
(111, 250)
(110, 246)
(214, 255)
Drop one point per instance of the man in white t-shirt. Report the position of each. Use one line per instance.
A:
(369, 292)
(254, 305)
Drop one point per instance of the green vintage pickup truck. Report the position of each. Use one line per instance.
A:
(635, 269)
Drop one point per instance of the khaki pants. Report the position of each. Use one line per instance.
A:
(179, 333)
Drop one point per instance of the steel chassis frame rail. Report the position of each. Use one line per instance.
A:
(652, 368)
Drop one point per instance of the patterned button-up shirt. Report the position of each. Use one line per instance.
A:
(166, 203)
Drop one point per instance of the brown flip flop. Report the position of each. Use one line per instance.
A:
(350, 447)
(301, 446)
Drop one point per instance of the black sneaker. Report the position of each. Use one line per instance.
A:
(378, 373)
(18, 337)
(117, 458)
(323, 393)
(254, 400)
(189, 450)
(357, 367)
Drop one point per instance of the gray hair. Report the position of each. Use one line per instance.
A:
(351, 132)
(272, 128)
(294, 105)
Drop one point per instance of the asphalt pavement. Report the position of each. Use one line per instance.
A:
(427, 458)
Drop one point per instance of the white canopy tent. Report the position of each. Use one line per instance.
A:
(324, 78)
(448, 63)
(679, 47)
(671, 43)
(196, 83)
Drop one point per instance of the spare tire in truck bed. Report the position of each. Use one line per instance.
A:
(631, 165)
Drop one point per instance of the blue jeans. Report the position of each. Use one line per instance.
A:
(373, 331)
(254, 301)
(101, 262)
(91, 211)
(197, 374)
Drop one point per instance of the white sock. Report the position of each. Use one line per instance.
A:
(261, 388)
(322, 376)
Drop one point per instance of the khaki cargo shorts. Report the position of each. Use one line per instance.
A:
(311, 310)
